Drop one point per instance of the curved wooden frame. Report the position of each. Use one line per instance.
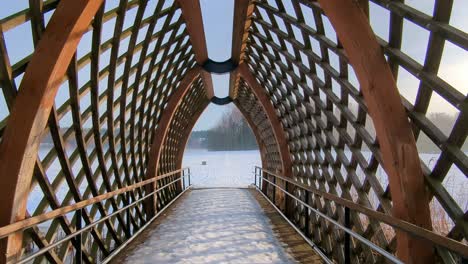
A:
(186, 134)
(278, 131)
(243, 9)
(191, 12)
(20, 142)
(410, 198)
(396, 150)
(161, 132)
(252, 126)
(286, 163)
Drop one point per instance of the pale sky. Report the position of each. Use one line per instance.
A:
(218, 19)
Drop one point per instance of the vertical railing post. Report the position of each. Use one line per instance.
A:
(274, 189)
(264, 184)
(79, 238)
(347, 238)
(189, 173)
(129, 213)
(255, 176)
(183, 179)
(307, 215)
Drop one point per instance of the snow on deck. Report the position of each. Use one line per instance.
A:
(212, 226)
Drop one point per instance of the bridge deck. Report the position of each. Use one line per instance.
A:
(219, 226)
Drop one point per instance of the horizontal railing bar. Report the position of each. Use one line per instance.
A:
(30, 222)
(407, 227)
(72, 235)
(369, 243)
(116, 251)
(310, 242)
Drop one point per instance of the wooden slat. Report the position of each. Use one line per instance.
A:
(243, 9)
(111, 129)
(253, 126)
(262, 97)
(29, 222)
(150, 98)
(187, 132)
(191, 12)
(161, 132)
(397, 143)
(286, 164)
(405, 226)
(139, 78)
(29, 115)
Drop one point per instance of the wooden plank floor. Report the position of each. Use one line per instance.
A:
(219, 226)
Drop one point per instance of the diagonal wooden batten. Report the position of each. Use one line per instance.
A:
(280, 136)
(20, 142)
(401, 160)
(163, 127)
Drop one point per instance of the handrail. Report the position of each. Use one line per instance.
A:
(91, 225)
(347, 230)
(307, 240)
(407, 227)
(124, 244)
(35, 220)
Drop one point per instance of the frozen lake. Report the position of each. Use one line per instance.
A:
(235, 169)
(223, 168)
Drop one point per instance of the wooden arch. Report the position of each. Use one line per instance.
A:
(162, 130)
(20, 142)
(400, 155)
(295, 132)
(401, 161)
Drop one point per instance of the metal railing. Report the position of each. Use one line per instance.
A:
(261, 183)
(20, 226)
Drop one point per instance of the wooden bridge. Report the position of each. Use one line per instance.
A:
(209, 226)
(341, 178)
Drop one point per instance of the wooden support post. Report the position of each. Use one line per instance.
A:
(29, 115)
(400, 156)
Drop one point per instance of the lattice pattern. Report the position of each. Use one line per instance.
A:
(249, 106)
(132, 60)
(294, 53)
(192, 105)
(127, 66)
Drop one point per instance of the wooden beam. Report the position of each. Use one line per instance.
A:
(243, 10)
(20, 142)
(400, 156)
(161, 132)
(208, 82)
(186, 134)
(270, 112)
(191, 12)
(280, 136)
(251, 123)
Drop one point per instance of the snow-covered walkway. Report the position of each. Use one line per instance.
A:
(214, 226)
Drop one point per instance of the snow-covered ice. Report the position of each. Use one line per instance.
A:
(223, 168)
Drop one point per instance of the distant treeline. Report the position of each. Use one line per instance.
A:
(231, 133)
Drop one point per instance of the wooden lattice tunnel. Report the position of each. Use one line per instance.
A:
(318, 82)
